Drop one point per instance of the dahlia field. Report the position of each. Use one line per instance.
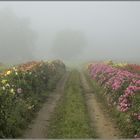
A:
(22, 89)
(121, 85)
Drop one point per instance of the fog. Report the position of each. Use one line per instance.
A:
(71, 31)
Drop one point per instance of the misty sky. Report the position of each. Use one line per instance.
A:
(111, 29)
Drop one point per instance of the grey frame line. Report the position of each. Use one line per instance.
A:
(70, 0)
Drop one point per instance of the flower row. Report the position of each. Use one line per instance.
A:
(123, 90)
(22, 89)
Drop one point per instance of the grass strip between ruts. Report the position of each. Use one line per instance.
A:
(71, 119)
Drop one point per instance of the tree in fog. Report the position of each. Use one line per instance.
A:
(16, 38)
(68, 44)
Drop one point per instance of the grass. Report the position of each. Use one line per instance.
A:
(71, 119)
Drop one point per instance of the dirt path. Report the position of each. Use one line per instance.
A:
(104, 126)
(38, 128)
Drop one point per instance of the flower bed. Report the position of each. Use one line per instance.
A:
(122, 91)
(22, 89)
(134, 68)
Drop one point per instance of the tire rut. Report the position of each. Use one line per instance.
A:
(100, 121)
(38, 128)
